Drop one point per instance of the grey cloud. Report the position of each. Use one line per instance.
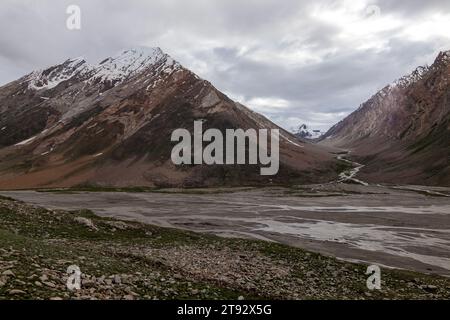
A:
(413, 8)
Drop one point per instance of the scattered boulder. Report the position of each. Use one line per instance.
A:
(43, 278)
(430, 288)
(16, 292)
(8, 273)
(86, 222)
(49, 284)
(120, 225)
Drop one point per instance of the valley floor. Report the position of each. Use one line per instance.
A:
(152, 253)
(396, 226)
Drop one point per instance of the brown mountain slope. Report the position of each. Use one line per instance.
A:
(111, 125)
(402, 133)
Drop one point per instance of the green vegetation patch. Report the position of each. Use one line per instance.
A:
(131, 260)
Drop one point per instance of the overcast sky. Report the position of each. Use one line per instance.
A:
(295, 61)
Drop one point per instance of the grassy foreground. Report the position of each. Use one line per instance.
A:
(129, 260)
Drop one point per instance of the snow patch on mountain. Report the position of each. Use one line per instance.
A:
(114, 69)
(415, 76)
(131, 62)
(52, 77)
(403, 82)
(25, 142)
(290, 141)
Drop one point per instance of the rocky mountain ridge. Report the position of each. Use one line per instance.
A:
(111, 123)
(402, 132)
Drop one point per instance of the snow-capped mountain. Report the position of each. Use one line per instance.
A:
(111, 123)
(133, 62)
(305, 132)
(402, 132)
(112, 70)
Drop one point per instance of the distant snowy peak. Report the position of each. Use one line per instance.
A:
(305, 132)
(115, 69)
